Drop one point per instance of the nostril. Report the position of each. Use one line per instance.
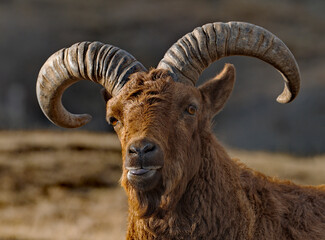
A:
(133, 150)
(149, 147)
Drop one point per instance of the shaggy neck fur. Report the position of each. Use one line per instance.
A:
(226, 200)
(191, 217)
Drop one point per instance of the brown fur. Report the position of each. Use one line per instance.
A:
(203, 193)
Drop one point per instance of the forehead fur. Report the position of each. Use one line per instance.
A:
(156, 79)
(146, 87)
(151, 89)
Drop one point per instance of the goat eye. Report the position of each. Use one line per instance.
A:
(191, 109)
(112, 121)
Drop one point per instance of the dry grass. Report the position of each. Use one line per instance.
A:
(67, 214)
(64, 185)
(301, 170)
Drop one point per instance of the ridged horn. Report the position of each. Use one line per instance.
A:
(101, 63)
(195, 51)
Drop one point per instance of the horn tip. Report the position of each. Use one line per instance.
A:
(281, 99)
(289, 93)
(285, 97)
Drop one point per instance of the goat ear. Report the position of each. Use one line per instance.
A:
(106, 96)
(217, 90)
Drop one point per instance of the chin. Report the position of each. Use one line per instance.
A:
(145, 192)
(144, 180)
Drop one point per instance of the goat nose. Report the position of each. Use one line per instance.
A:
(143, 154)
(141, 147)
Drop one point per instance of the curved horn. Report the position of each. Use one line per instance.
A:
(97, 62)
(195, 51)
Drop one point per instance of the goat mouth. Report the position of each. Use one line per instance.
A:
(140, 171)
(144, 179)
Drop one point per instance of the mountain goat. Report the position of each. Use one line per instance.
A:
(180, 182)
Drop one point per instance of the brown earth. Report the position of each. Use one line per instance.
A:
(64, 185)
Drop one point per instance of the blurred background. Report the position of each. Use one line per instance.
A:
(65, 178)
